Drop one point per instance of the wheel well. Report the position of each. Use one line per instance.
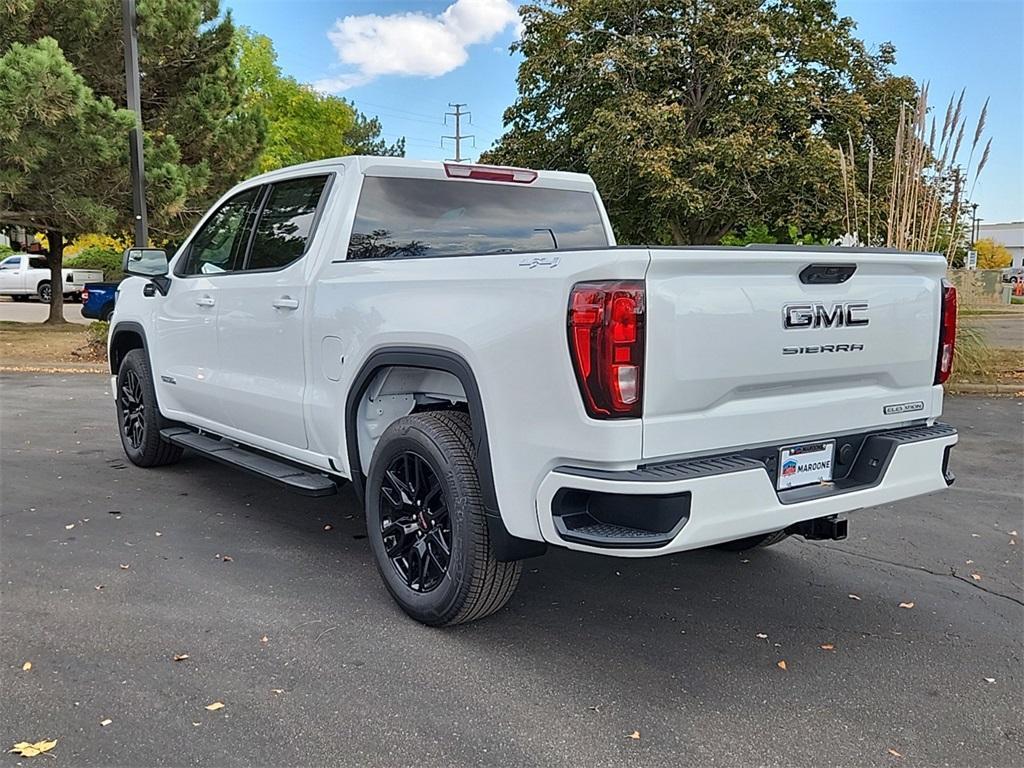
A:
(123, 342)
(396, 391)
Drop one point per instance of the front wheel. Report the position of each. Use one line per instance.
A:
(138, 418)
(426, 525)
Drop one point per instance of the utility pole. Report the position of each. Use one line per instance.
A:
(131, 77)
(459, 136)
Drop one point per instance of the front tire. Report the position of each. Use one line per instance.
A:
(138, 417)
(426, 525)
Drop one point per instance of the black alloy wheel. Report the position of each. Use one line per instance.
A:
(414, 522)
(139, 419)
(133, 410)
(426, 522)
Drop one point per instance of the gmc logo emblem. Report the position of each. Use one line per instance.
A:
(817, 314)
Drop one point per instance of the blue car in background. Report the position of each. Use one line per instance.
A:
(98, 300)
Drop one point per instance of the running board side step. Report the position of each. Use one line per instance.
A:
(275, 470)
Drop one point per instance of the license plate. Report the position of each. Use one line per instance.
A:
(806, 464)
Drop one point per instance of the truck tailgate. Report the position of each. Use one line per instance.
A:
(725, 368)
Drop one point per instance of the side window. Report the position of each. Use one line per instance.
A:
(37, 262)
(220, 245)
(286, 223)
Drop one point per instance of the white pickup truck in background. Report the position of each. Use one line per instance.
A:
(467, 345)
(23, 275)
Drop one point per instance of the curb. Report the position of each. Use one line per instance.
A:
(55, 368)
(987, 389)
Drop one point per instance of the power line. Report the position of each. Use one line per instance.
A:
(459, 136)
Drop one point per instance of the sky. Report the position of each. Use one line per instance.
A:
(404, 61)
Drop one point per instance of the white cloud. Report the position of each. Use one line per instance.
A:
(414, 43)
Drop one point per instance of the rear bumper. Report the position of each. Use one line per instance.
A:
(665, 508)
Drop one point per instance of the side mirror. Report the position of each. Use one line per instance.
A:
(145, 262)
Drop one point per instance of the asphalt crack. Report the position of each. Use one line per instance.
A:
(950, 574)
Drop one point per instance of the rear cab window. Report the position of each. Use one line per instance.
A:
(286, 223)
(422, 218)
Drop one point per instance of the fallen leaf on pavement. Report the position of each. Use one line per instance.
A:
(215, 706)
(906, 605)
(827, 647)
(853, 597)
(635, 735)
(124, 566)
(106, 722)
(968, 562)
(990, 679)
(976, 576)
(227, 558)
(101, 586)
(761, 636)
(26, 666)
(26, 749)
(264, 639)
(782, 665)
(1014, 533)
(894, 753)
(277, 690)
(158, 533)
(69, 526)
(180, 656)
(328, 527)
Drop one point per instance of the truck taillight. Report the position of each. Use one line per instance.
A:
(85, 295)
(947, 333)
(606, 343)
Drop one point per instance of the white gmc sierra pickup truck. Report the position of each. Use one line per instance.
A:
(467, 345)
(23, 275)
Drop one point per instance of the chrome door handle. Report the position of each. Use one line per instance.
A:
(286, 302)
(205, 301)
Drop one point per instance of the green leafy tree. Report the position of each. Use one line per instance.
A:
(302, 125)
(63, 140)
(698, 119)
(62, 151)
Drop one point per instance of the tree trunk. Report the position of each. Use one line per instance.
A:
(56, 260)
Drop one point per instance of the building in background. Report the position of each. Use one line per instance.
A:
(1010, 235)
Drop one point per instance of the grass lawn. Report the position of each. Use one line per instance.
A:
(40, 347)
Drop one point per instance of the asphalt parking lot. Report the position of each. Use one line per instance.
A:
(109, 571)
(36, 312)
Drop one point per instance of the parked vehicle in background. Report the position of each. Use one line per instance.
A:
(23, 275)
(98, 300)
(467, 345)
(1013, 274)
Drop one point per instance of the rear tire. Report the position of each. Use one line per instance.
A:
(44, 292)
(426, 525)
(753, 542)
(107, 313)
(138, 417)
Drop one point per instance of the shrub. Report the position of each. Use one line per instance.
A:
(96, 257)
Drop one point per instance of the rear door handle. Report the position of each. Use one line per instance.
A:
(206, 301)
(286, 302)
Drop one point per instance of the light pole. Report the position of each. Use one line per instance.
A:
(974, 224)
(138, 164)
